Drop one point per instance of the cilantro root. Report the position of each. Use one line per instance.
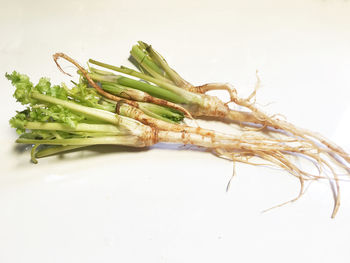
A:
(106, 108)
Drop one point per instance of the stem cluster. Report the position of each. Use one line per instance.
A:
(109, 108)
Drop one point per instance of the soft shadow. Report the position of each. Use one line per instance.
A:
(98, 150)
(21, 148)
(178, 147)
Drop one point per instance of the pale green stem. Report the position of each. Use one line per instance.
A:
(189, 96)
(127, 140)
(146, 63)
(87, 111)
(57, 149)
(80, 127)
(104, 76)
(174, 76)
(132, 125)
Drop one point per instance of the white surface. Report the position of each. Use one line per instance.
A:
(166, 205)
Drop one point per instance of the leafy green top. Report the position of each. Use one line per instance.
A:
(36, 111)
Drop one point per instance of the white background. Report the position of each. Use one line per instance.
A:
(109, 204)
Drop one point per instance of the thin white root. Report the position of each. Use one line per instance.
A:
(311, 145)
(213, 86)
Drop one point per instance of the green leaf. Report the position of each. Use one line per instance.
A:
(87, 96)
(23, 87)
